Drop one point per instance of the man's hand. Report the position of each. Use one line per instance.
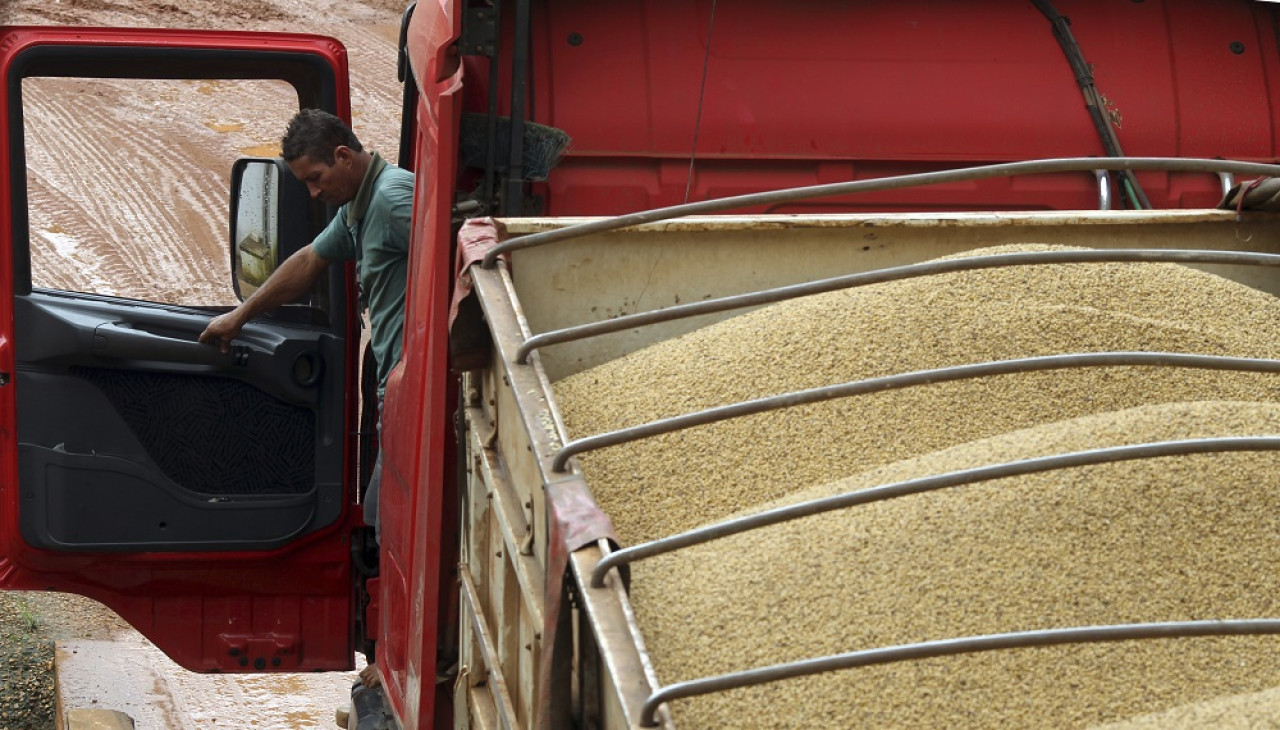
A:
(289, 281)
(222, 330)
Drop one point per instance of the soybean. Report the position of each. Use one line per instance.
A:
(1159, 540)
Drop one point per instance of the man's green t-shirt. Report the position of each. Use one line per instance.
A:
(373, 229)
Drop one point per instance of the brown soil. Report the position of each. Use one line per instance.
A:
(30, 622)
(161, 152)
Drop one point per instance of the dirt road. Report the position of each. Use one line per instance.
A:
(161, 152)
(159, 155)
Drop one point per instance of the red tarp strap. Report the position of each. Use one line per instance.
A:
(575, 521)
(476, 237)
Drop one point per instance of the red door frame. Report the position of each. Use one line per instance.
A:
(284, 610)
(416, 582)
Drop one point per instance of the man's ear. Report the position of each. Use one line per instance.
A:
(343, 154)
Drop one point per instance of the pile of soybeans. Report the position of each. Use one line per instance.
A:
(1167, 539)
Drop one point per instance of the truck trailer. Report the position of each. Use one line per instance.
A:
(765, 365)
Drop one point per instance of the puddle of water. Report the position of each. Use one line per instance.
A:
(132, 676)
(262, 150)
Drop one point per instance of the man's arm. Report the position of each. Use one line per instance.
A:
(286, 283)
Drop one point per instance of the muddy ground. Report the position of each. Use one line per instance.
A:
(128, 179)
(173, 143)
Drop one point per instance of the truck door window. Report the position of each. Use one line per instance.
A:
(128, 181)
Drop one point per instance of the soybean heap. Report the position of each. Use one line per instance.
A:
(1168, 539)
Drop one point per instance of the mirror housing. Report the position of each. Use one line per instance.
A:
(270, 219)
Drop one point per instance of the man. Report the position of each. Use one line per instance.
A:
(371, 227)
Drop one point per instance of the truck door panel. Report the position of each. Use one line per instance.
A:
(185, 448)
(204, 497)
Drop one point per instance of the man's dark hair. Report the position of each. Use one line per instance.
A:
(316, 134)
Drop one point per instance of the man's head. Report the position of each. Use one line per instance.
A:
(323, 152)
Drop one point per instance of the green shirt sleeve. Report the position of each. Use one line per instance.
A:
(335, 242)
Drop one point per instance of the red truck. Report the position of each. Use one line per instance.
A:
(213, 501)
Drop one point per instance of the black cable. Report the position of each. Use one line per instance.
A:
(1092, 101)
(702, 93)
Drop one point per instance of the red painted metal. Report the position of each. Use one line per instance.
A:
(208, 611)
(809, 93)
(419, 458)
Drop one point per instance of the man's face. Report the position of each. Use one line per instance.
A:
(334, 184)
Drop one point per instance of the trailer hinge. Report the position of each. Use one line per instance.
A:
(479, 31)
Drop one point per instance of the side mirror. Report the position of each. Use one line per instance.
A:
(270, 219)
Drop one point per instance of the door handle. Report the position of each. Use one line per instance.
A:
(121, 340)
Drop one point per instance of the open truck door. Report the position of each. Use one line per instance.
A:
(204, 497)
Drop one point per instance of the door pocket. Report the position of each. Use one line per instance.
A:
(99, 502)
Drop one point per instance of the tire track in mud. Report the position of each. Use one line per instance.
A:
(134, 178)
(72, 166)
(74, 264)
(149, 204)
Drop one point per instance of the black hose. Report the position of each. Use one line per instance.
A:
(1084, 79)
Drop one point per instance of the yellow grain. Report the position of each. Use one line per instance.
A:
(1158, 540)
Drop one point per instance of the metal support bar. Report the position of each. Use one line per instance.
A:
(627, 674)
(905, 380)
(1028, 167)
(409, 95)
(488, 189)
(510, 519)
(948, 647)
(1104, 189)
(896, 273)
(935, 482)
(493, 666)
(513, 182)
